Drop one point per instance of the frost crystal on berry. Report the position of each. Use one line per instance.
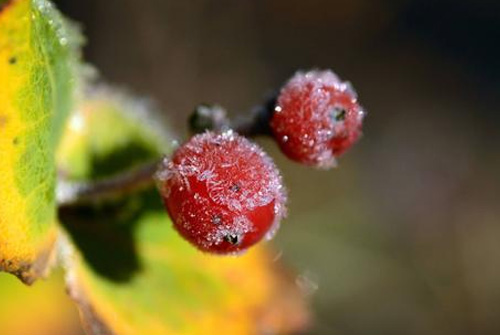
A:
(222, 192)
(316, 118)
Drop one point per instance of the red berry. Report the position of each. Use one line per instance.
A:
(316, 118)
(222, 192)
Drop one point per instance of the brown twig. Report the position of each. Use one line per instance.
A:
(71, 193)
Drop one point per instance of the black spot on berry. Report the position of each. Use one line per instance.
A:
(15, 141)
(235, 187)
(338, 114)
(12, 60)
(234, 239)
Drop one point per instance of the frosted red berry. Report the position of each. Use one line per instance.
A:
(223, 193)
(316, 118)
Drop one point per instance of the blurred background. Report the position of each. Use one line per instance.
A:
(404, 236)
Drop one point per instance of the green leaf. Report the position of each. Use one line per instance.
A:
(38, 58)
(131, 273)
(109, 133)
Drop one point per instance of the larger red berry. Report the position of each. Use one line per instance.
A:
(222, 192)
(316, 118)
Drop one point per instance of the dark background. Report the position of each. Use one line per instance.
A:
(403, 237)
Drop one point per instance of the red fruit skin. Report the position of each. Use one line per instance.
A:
(317, 118)
(223, 193)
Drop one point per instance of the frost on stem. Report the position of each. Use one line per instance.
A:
(214, 118)
(223, 192)
(208, 117)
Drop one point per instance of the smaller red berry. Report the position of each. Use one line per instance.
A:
(316, 118)
(223, 193)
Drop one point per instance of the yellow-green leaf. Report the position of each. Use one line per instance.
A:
(37, 62)
(110, 133)
(131, 273)
(42, 309)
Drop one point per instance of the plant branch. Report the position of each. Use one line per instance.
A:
(73, 193)
(213, 117)
(204, 117)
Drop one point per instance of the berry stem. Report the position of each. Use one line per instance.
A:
(259, 123)
(213, 117)
(71, 193)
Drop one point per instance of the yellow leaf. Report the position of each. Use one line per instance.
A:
(36, 85)
(40, 310)
(181, 291)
